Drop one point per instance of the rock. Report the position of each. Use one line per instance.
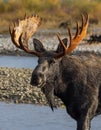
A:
(15, 87)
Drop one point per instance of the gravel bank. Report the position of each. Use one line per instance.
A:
(15, 87)
(49, 40)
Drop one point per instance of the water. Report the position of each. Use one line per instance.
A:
(32, 117)
(18, 61)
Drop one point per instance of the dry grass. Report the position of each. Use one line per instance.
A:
(52, 12)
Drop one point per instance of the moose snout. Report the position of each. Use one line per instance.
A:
(36, 79)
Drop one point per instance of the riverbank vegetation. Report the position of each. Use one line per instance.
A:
(52, 12)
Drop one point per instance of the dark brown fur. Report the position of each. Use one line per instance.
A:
(76, 80)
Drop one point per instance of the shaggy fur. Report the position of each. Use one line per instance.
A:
(76, 80)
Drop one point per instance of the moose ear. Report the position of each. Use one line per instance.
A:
(60, 48)
(38, 45)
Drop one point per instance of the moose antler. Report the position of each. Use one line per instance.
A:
(80, 34)
(22, 32)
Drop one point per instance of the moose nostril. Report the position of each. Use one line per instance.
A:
(35, 77)
(34, 80)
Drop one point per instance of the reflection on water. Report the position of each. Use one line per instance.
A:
(32, 117)
(18, 61)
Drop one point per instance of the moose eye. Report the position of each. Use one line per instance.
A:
(51, 61)
(44, 68)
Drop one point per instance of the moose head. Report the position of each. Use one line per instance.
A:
(21, 33)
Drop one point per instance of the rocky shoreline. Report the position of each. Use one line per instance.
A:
(49, 41)
(15, 87)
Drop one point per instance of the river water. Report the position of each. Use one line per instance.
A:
(32, 117)
(18, 61)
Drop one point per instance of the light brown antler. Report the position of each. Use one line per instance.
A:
(79, 36)
(22, 32)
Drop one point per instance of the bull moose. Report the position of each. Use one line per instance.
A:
(75, 79)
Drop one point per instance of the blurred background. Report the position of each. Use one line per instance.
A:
(55, 13)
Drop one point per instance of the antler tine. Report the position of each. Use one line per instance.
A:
(70, 36)
(77, 30)
(86, 17)
(12, 33)
(82, 23)
(77, 38)
(61, 42)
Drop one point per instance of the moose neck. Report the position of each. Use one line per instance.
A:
(54, 84)
(53, 72)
